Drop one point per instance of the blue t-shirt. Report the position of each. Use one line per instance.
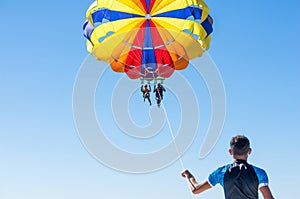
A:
(240, 180)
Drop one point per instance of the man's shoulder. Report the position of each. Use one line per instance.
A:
(221, 170)
(258, 169)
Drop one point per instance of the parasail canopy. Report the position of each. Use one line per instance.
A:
(148, 38)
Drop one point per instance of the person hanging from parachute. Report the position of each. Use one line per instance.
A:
(146, 93)
(159, 95)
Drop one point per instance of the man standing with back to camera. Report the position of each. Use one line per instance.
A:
(240, 180)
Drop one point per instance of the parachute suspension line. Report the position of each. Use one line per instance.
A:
(176, 147)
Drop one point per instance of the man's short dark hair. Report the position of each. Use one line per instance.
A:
(240, 145)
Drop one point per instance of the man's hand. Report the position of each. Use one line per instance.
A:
(196, 187)
(186, 174)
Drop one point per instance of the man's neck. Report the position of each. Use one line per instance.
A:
(240, 157)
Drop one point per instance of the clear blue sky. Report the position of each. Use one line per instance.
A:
(255, 46)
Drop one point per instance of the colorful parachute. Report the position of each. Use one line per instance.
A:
(147, 38)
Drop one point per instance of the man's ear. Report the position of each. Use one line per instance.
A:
(249, 151)
(230, 152)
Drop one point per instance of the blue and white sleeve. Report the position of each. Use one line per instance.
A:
(217, 176)
(262, 177)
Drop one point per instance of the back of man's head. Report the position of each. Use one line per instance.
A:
(240, 145)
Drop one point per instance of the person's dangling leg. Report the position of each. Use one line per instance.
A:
(149, 101)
